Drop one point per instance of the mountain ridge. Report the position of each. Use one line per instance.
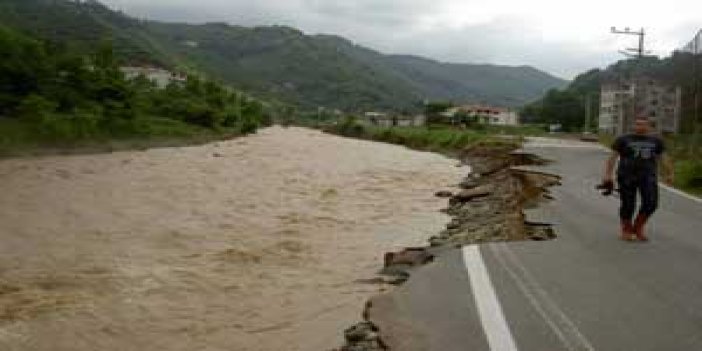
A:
(282, 62)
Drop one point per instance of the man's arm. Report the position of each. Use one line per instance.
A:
(617, 148)
(609, 167)
(668, 169)
(667, 163)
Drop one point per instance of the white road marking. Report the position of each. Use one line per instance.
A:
(493, 320)
(681, 193)
(563, 146)
(561, 325)
(542, 142)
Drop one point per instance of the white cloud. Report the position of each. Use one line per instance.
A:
(561, 37)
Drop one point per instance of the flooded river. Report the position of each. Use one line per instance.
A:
(256, 243)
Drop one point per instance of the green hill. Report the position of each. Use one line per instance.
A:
(280, 63)
(83, 25)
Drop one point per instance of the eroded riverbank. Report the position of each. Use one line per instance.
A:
(488, 207)
(260, 243)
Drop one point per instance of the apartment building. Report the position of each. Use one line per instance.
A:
(622, 100)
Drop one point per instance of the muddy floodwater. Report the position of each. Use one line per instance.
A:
(258, 243)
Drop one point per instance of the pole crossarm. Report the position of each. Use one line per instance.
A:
(638, 52)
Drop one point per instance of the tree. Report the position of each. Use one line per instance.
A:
(23, 68)
(433, 111)
(466, 118)
(62, 95)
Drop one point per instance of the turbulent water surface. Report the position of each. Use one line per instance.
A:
(256, 243)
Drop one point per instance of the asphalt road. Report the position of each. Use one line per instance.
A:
(586, 290)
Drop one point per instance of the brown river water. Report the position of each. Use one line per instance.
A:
(256, 243)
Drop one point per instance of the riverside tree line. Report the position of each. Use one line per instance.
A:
(50, 93)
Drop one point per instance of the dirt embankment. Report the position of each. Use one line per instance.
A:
(489, 207)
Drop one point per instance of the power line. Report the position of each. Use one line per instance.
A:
(638, 52)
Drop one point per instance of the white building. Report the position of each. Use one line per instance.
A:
(389, 120)
(621, 101)
(485, 114)
(159, 76)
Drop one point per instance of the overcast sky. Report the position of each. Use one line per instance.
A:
(561, 37)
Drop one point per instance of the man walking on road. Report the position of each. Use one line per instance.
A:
(639, 154)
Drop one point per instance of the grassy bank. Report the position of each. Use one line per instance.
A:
(446, 140)
(687, 155)
(19, 139)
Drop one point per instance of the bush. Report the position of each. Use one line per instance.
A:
(162, 127)
(200, 114)
(689, 174)
(48, 125)
(62, 129)
(349, 127)
(36, 108)
(231, 118)
(248, 126)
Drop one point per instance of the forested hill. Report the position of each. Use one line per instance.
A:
(83, 26)
(280, 62)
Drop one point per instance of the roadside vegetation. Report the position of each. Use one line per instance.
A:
(444, 139)
(440, 134)
(52, 96)
(686, 153)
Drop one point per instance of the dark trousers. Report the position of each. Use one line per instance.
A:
(646, 186)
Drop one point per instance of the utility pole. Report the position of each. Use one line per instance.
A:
(588, 113)
(239, 97)
(696, 93)
(636, 53)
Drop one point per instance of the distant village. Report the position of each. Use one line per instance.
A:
(159, 76)
(620, 101)
(480, 113)
(477, 113)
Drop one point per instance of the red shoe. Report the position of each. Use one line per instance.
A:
(639, 225)
(627, 231)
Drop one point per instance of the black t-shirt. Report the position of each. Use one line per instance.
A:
(638, 154)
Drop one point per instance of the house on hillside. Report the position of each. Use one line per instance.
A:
(622, 100)
(159, 76)
(483, 114)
